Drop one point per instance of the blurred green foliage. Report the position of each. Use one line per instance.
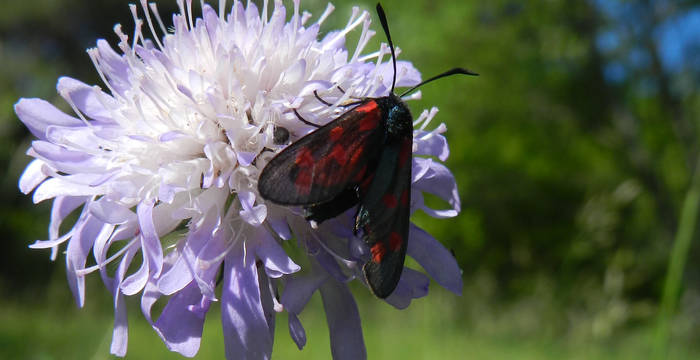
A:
(572, 155)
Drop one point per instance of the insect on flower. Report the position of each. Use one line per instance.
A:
(360, 158)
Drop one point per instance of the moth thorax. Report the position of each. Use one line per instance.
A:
(398, 119)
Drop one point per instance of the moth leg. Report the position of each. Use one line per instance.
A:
(324, 102)
(356, 102)
(304, 120)
(341, 90)
(359, 100)
(361, 219)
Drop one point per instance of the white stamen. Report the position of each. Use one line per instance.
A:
(326, 13)
(150, 23)
(154, 10)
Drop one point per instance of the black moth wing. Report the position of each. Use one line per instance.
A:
(384, 219)
(321, 165)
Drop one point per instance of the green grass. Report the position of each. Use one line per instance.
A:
(52, 328)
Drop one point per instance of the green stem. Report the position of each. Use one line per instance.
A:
(676, 264)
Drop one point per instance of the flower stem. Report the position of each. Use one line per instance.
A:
(676, 264)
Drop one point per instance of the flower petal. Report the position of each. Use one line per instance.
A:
(115, 65)
(275, 260)
(120, 334)
(87, 99)
(298, 290)
(432, 143)
(296, 330)
(77, 251)
(280, 226)
(437, 179)
(435, 259)
(343, 320)
(150, 243)
(244, 324)
(62, 206)
(406, 74)
(181, 323)
(412, 285)
(269, 303)
(252, 214)
(136, 281)
(54, 187)
(38, 114)
(329, 264)
(32, 176)
(180, 274)
(110, 212)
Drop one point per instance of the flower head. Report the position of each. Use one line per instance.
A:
(162, 166)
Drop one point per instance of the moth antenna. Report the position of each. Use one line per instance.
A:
(385, 25)
(454, 71)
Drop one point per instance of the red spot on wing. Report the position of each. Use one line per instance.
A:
(304, 158)
(360, 174)
(390, 201)
(369, 122)
(303, 181)
(338, 154)
(369, 106)
(356, 156)
(371, 118)
(336, 133)
(404, 198)
(395, 241)
(378, 251)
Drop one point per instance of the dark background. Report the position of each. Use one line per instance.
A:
(574, 152)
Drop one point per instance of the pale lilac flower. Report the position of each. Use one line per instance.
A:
(162, 168)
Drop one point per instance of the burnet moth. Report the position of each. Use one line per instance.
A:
(362, 158)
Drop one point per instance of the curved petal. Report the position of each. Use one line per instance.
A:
(343, 320)
(110, 212)
(182, 271)
(150, 243)
(435, 259)
(406, 74)
(275, 259)
(62, 206)
(417, 202)
(120, 334)
(64, 160)
(280, 226)
(270, 306)
(435, 178)
(242, 314)
(38, 114)
(432, 143)
(113, 64)
(136, 281)
(90, 101)
(77, 251)
(32, 176)
(251, 213)
(181, 323)
(298, 290)
(54, 187)
(296, 330)
(412, 285)
(329, 264)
